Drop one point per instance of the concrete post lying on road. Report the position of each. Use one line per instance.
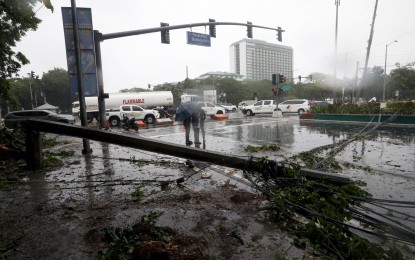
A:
(35, 153)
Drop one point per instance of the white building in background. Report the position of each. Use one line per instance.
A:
(220, 75)
(258, 60)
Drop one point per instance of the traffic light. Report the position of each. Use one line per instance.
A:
(32, 74)
(165, 34)
(274, 89)
(279, 34)
(280, 91)
(281, 78)
(274, 79)
(212, 28)
(249, 29)
(299, 78)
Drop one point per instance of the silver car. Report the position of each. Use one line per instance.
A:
(13, 119)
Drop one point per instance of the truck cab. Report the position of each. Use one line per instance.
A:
(260, 107)
(147, 115)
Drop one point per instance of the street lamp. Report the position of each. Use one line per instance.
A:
(384, 76)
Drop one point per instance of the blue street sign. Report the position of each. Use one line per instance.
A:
(198, 39)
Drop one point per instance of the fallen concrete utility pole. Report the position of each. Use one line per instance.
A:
(34, 149)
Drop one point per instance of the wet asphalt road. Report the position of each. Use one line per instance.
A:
(384, 159)
(63, 204)
(388, 148)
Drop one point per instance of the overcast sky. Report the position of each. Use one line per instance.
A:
(309, 26)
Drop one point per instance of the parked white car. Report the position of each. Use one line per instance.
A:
(260, 107)
(211, 109)
(228, 107)
(295, 106)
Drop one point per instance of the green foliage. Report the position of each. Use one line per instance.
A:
(125, 242)
(138, 193)
(49, 142)
(51, 161)
(326, 207)
(402, 79)
(310, 159)
(17, 17)
(262, 148)
(61, 153)
(138, 162)
(55, 84)
(400, 107)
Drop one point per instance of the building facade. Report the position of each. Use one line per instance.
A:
(258, 60)
(220, 75)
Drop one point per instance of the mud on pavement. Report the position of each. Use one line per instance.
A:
(51, 214)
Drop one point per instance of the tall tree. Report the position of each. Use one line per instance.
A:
(402, 79)
(16, 18)
(55, 84)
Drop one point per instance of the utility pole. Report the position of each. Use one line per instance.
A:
(337, 3)
(362, 82)
(384, 76)
(345, 76)
(355, 82)
(30, 87)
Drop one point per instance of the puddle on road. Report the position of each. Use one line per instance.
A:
(386, 148)
(389, 151)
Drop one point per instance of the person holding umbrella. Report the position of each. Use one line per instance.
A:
(185, 113)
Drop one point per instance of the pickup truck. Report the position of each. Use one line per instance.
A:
(149, 116)
(260, 107)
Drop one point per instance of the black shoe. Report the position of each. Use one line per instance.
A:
(189, 143)
(198, 143)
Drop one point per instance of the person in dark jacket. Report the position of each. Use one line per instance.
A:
(196, 127)
(186, 123)
(202, 118)
(198, 123)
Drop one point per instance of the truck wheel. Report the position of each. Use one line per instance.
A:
(233, 110)
(219, 112)
(150, 119)
(114, 121)
(301, 111)
(249, 113)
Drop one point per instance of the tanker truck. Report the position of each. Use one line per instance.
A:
(151, 99)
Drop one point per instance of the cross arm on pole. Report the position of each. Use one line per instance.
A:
(108, 36)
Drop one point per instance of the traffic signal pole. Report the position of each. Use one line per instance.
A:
(99, 37)
(175, 27)
(100, 80)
